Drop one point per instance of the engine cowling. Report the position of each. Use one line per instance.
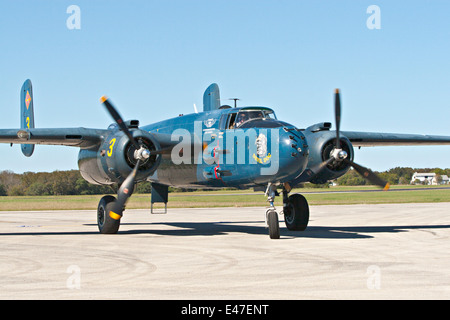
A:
(114, 159)
(320, 150)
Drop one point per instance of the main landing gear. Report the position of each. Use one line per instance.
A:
(295, 211)
(106, 224)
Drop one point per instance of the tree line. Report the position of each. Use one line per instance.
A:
(398, 175)
(72, 183)
(54, 184)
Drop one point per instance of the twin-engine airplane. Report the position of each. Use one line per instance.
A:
(220, 147)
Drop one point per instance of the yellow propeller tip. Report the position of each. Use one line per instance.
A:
(103, 99)
(336, 91)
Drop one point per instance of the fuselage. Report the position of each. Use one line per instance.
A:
(219, 149)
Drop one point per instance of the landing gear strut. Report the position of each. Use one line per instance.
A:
(295, 211)
(272, 221)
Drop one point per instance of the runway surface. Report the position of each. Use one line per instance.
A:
(395, 251)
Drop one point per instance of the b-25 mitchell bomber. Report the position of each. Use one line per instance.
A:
(222, 146)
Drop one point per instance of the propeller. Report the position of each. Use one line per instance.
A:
(141, 154)
(337, 115)
(124, 193)
(118, 119)
(141, 151)
(337, 154)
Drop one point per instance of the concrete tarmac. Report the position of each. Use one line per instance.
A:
(386, 251)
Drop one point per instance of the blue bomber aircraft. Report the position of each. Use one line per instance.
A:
(220, 147)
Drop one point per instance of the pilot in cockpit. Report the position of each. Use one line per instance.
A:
(242, 117)
(259, 114)
(248, 115)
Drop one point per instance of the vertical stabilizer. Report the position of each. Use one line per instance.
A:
(211, 98)
(26, 114)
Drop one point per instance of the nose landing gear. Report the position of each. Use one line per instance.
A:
(295, 211)
(272, 221)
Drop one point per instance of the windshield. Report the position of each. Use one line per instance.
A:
(246, 115)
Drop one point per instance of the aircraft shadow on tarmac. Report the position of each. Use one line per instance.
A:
(320, 232)
(249, 227)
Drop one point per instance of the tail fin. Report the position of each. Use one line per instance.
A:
(211, 98)
(26, 114)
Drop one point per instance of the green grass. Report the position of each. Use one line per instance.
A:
(380, 197)
(235, 198)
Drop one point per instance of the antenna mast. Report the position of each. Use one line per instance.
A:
(235, 101)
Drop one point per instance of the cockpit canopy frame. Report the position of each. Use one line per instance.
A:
(237, 118)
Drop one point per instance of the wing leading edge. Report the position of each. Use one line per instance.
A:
(374, 139)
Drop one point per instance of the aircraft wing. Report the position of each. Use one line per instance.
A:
(374, 139)
(74, 137)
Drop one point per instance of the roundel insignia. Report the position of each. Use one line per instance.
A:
(27, 100)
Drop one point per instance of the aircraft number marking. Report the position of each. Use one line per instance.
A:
(111, 146)
(28, 122)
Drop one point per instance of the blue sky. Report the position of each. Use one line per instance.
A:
(154, 59)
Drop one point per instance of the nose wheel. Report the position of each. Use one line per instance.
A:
(273, 223)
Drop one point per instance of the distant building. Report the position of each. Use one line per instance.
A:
(445, 180)
(422, 178)
(429, 178)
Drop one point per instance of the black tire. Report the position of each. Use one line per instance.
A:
(296, 213)
(106, 224)
(274, 225)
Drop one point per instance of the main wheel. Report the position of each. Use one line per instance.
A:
(274, 224)
(296, 213)
(106, 224)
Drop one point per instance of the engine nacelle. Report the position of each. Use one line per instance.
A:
(114, 159)
(321, 145)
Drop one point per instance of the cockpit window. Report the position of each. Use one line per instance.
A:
(247, 115)
(269, 114)
(231, 120)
